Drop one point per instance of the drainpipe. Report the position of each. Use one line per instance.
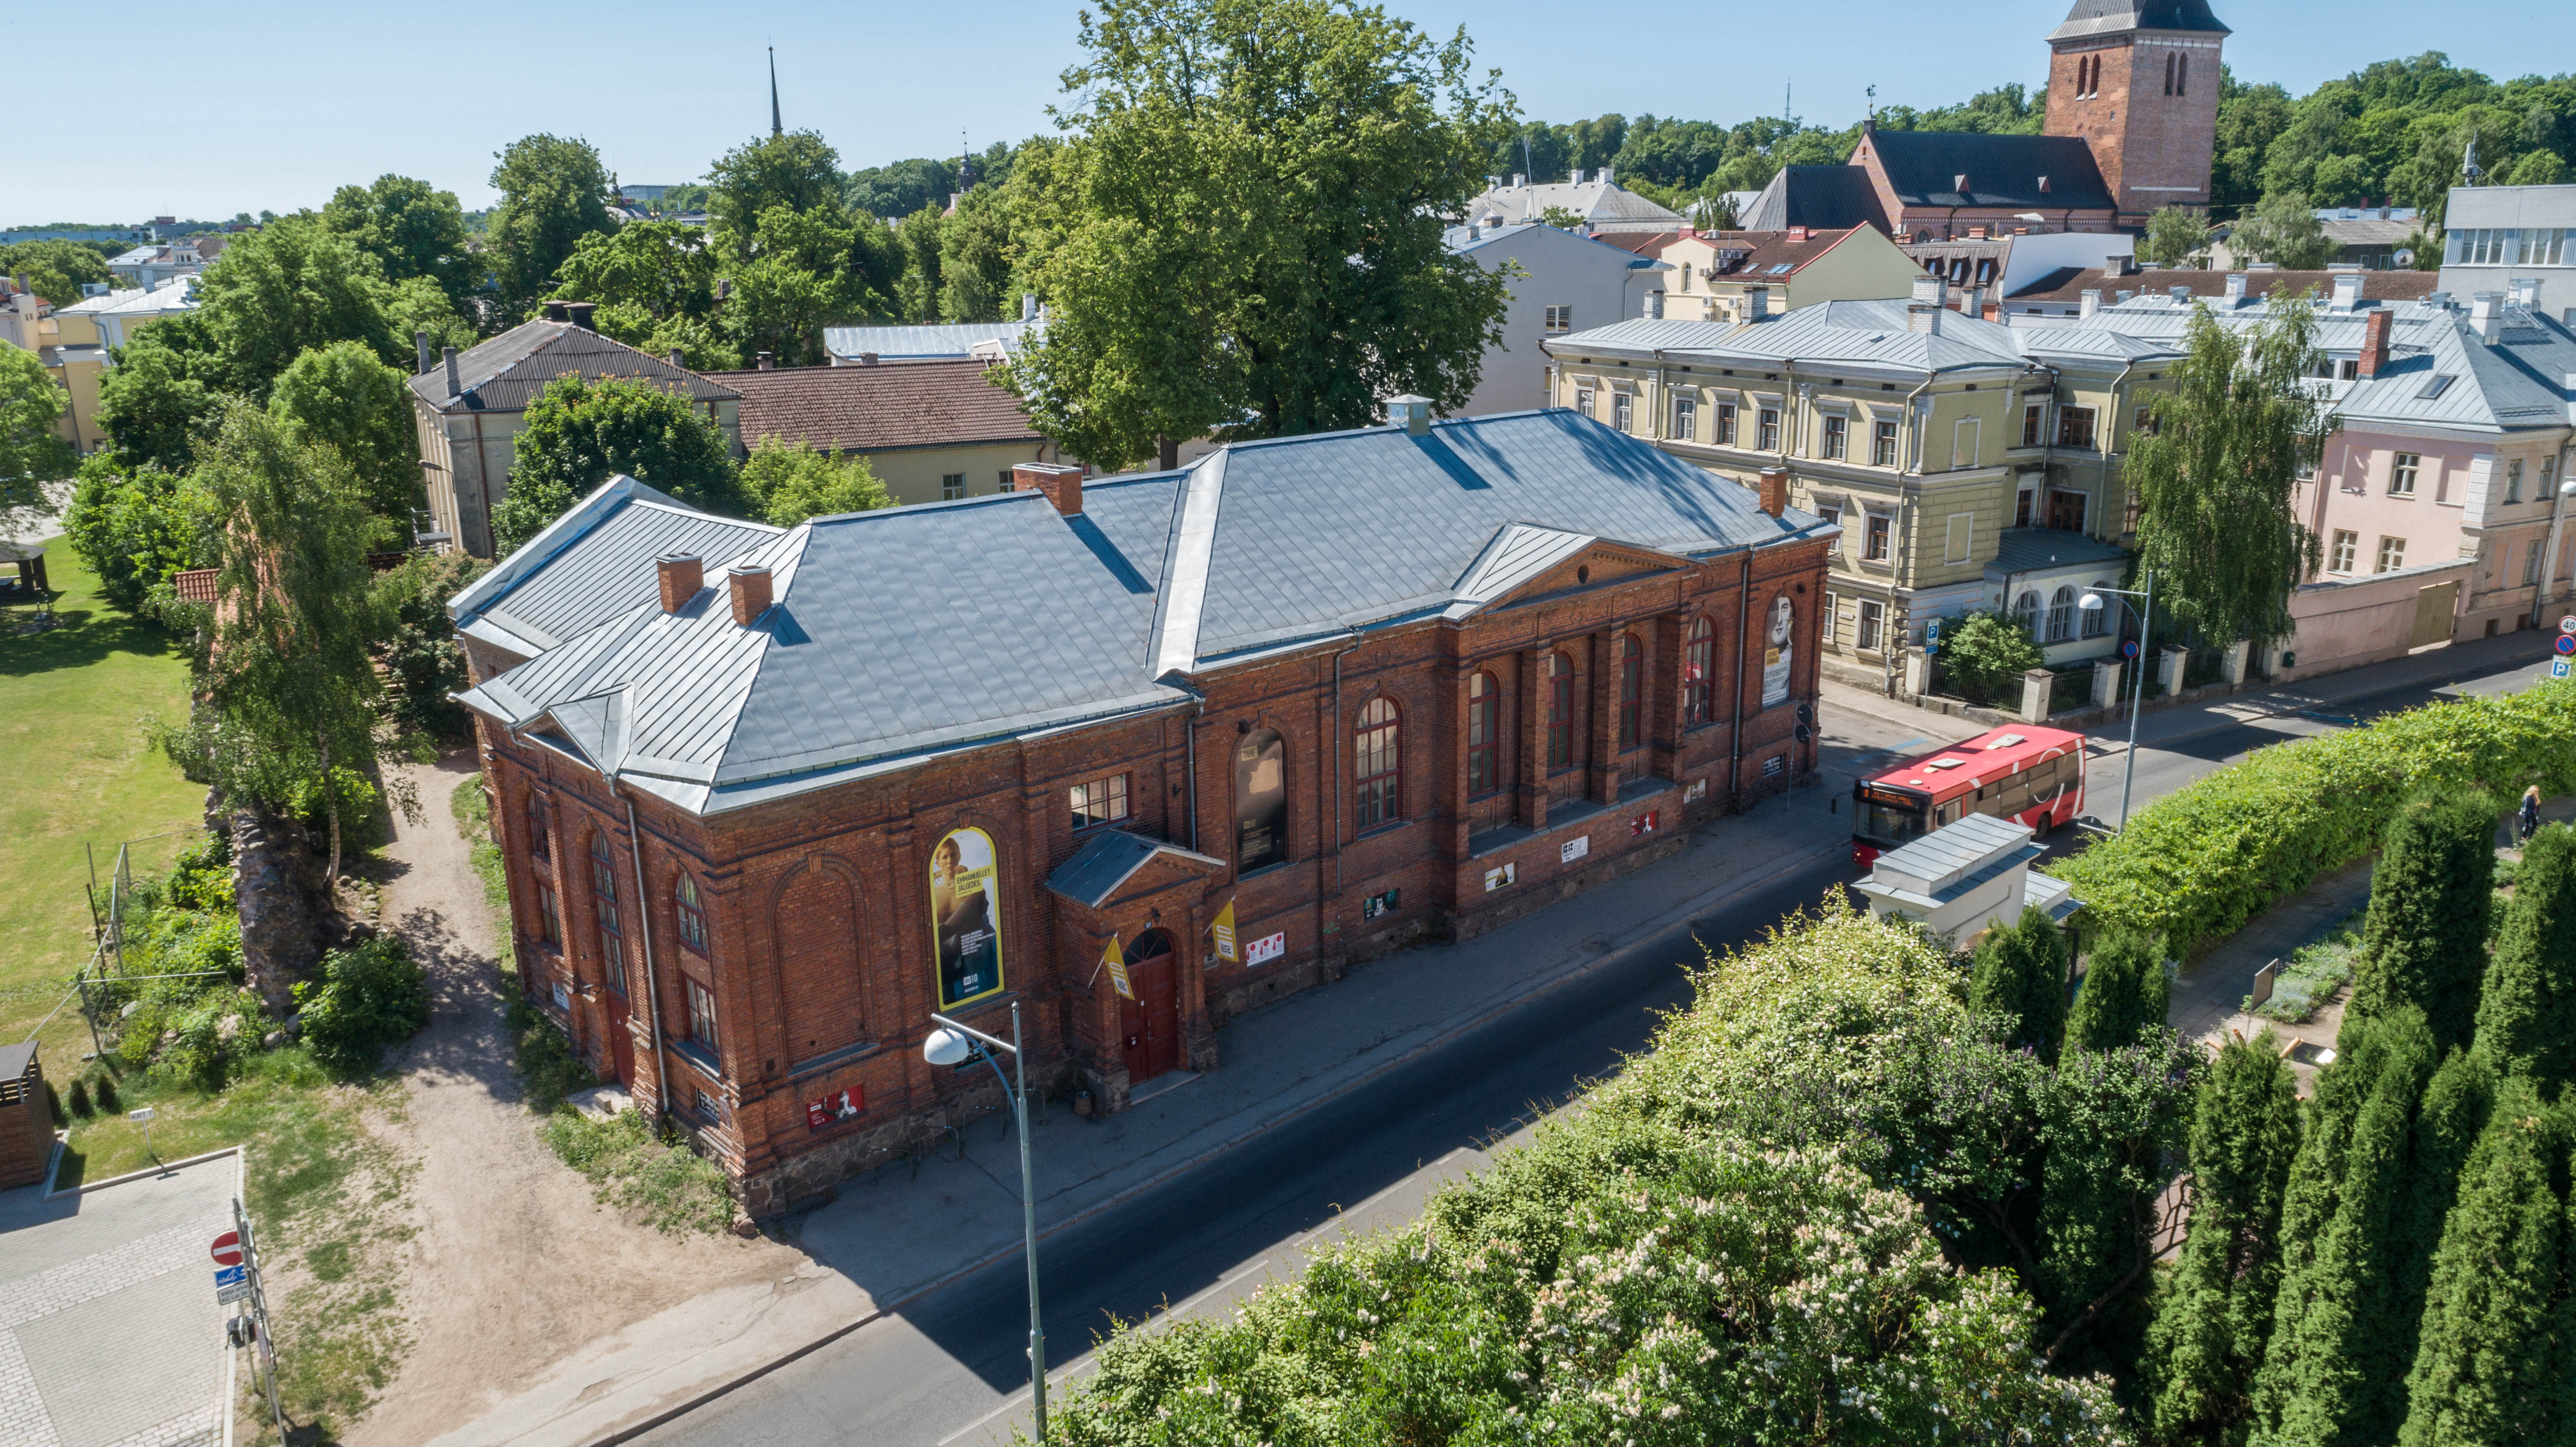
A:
(652, 982)
(1735, 731)
(1917, 432)
(2119, 402)
(1337, 772)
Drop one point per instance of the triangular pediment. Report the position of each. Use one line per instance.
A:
(1528, 560)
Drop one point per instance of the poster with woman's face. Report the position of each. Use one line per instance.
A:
(966, 917)
(1776, 658)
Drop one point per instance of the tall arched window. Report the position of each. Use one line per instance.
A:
(1560, 711)
(1632, 689)
(2026, 612)
(1699, 662)
(2061, 614)
(2097, 621)
(603, 907)
(1484, 734)
(2182, 73)
(693, 914)
(2170, 56)
(1377, 768)
(539, 846)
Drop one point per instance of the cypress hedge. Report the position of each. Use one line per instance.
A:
(2125, 994)
(2431, 900)
(2527, 1010)
(2020, 973)
(2198, 863)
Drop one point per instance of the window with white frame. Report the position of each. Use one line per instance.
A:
(702, 1015)
(1877, 537)
(1560, 319)
(1873, 622)
(2097, 621)
(1686, 416)
(1882, 446)
(952, 486)
(2061, 614)
(1725, 424)
(2034, 418)
(2402, 470)
(1621, 408)
(2345, 552)
(1837, 438)
(1833, 620)
(1767, 430)
(1583, 400)
(2392, 555)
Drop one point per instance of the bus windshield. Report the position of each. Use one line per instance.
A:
(1886, 823)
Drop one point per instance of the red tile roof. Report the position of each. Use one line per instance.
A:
(877, 409)
(1759, 251)
(196, 585)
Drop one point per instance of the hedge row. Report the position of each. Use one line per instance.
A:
(2197, 864)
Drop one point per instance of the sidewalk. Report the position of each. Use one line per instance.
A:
(895, 1234)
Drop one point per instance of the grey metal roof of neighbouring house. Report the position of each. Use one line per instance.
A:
(2036, 173)
(1109, 860)
(902, 633)
(2034, 550)
(506, 373)
(2119, 17)
(1854, 333)
(1826, 198)
(948, 342)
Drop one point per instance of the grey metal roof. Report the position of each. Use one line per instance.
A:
(907, 631)
(1859, 333)
(15, 1058)
(922, 343)
(1605, 204)
(2519, 380)
(1923, 169)
(2029, 550)
(621, 528)
(1097, 869)
(1947, 855)
(2119, 17)
(506, 373)
(1823, 197)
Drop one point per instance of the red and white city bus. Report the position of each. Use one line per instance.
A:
(2025, 773)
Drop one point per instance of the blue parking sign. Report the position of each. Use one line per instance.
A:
(2561, 668)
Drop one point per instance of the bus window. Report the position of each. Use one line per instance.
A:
(1948, 814)
(1889, 823)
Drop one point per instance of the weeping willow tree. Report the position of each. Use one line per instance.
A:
(2216, 468)
(289, 703)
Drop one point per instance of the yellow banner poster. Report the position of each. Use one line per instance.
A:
(1114, 960)
(1223, 930)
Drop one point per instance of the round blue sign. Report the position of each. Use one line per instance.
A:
(2129, 649)
(2565, 644)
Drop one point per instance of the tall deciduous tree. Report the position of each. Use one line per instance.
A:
(2284, 230)
(2490, 1370)
(411, 228)
(799, 171)
(289, 287)
(2215, 471)
(164, 395)
(2527, 1008)
(2125, 994)
(2020, 973)
(2431, 897)
(579, 433)
(797, 282)
(1244, 234)
(341, 397)
(787, 483)
(32, 453)
(54, 270)
(2173, 235)
(2215, 1315)
(133, 524)
(554, 191)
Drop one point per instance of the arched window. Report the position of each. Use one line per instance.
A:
(603, 907)
(2026, 613)
(693, 914)
(1632, 688)
(1377, 768)
(2182, 73)
(539, 846)
(2170, 55)
(1699, 662)
(2097, 621)
(2061, 614)
(1484, 734)
(1560, 711)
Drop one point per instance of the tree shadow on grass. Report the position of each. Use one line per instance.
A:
(80, 637)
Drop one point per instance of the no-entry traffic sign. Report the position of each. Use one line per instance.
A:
(227, 1249)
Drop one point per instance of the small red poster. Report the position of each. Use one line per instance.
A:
(820, 1113)
(1644, 823)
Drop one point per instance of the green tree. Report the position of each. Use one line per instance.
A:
(54, 270)
(579, 433)
(974, 261)
(799, 171)
(2174, 235)
(917, 293)
(2488, 1371)
(2336, 1358)
(2125, 994)
(2020, 973)
(554, 192)
(288, 691)
(290, 287)
(32, 453)
(132, 524)
(2215, 470)
(655, 283)
(2431, 901)
(341, 397)
(2285, 231)
(1244, 235)
(1985, 654)
(2538, 168)
(411, 228)
(2111, 1121)
(786, 483)
(797, 282)
(164, 395)
(2526, 1020)
(2214, 1316)
(424, 666)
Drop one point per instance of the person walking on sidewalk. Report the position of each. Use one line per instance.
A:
(2527, 818)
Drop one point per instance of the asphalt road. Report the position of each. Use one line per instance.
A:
(949, 1370)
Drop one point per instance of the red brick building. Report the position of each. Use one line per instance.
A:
(1343, 691)
(2138, 80)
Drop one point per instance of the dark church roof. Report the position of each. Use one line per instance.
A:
(2118, 17)
(1823, 198)
(2033, 173)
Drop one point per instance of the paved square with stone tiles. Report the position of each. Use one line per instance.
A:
(110, 1335)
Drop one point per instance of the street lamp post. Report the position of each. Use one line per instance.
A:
(2091, 603)
(2549, 559)
(952, 1044)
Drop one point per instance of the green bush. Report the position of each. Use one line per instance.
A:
(1985, 655)
(369, 997)
(353, 793)
(423, 661)
(2197, 864)
(548, 1069)
(672, 1188)
(54, 1106)
(134, 526)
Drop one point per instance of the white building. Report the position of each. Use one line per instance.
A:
(2498, 234)
(1602, 204)
(1962, 879)
(1570, 283)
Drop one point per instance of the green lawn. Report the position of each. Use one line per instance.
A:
(76, 773)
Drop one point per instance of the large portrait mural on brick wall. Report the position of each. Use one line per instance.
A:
(966, 917)
(1260, 800)
(1776, 658)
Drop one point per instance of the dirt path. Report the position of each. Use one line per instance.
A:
(513, 1267)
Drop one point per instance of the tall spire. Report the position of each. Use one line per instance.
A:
(775, 129)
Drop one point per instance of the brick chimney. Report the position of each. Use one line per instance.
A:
(1061, 483)
(420, 344)
(750, 587)
(2374, 342)
(579, 314)
(555, 310)
(762, 361)
(681, 576)
(678, 359)
(453, 388)
(1775, 490)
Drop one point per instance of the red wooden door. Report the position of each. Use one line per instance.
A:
(621, 1044)
(1152, 1021)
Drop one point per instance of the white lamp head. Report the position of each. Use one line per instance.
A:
(2567, 488)
(946, 1047)
(2090, 602)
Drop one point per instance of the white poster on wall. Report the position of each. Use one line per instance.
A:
(1776, 657)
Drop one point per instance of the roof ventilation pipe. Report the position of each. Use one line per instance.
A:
(2486, 315)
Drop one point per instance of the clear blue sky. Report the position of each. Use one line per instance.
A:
(205, 110)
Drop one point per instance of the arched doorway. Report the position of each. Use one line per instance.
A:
(1150, 1024)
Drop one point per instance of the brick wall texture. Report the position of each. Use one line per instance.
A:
(2153, 147)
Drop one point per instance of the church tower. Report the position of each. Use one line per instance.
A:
(2138, 81)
